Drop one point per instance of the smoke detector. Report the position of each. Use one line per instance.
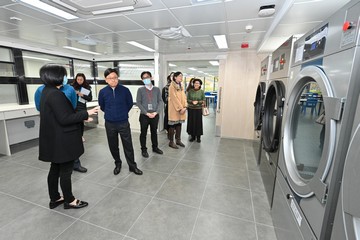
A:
(266, 10)
(248, 28)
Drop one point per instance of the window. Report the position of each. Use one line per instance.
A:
(131, 70)
(6, 63)
(84, 67)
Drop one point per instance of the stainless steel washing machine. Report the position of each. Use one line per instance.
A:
(318, 114)
(273, 113)
(259, 107)
(347, 218)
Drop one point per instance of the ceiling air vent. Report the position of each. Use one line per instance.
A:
(172, 33)
(266, 10)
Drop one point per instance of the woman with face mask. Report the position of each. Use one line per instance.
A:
(149, 101)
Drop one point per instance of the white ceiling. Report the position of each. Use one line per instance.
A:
(112, 31)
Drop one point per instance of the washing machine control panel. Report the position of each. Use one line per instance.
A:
(315, 43)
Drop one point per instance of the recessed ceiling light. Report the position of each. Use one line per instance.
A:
(172, 65)
(16, 19)
(214, 63)
(81, 50)
(113, 10)
(221, 41)
(193, 69)
(195, 2)
(136, 44)
(50, 9)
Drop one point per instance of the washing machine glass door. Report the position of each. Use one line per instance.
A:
(272, 118)
(350, 193)
(258, 105)
(309, 133)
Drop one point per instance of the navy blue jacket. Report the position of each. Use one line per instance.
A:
(116, 103)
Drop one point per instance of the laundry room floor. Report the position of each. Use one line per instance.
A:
(206, 191)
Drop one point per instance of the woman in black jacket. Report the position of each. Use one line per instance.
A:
(60, 140)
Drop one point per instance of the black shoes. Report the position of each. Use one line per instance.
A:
(157, 150)
(53, 205)
(178, 142)
(144, 153)
(192, 138)
(79, 204)
(117, 170)
(81, 169)
(198, 139)
(136, 171)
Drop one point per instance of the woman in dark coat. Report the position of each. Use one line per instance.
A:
(60, 140)
(165, 95)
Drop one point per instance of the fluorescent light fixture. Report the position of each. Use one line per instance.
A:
(65, 5)
(194, 2)
(16, 19)
(113, 10)
(221, 41)
(136, 44)
(309, 1)
(37, 58)
(214, 63)
(193, 69)
(81, 50)
(172, 65)
(200, 72)
(50, 9)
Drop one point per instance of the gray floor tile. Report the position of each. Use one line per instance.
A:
(256, 182)
(229, 176)
(82, 230)
(198, 155)
(163, 220)
(182, 190)
(228, 200)
(265, 232)
(14, 208)
(193, 170)
(35, 224)
(117, 211)
(160, 164)
(226, 160)
(149, 183)
(214, 226)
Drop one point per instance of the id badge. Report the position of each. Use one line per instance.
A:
(150, 106)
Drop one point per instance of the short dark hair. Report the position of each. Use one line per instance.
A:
(145, 72)
(111, 70)
(85, 83)
(52, 74)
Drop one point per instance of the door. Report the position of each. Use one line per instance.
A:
(310, 133)
(258, 105)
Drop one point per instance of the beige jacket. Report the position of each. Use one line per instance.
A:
(177, 101)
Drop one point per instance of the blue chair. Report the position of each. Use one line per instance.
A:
(311, 102)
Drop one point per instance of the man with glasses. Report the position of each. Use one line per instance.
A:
(116, 101)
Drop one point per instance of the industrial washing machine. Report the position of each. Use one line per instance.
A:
(259, 107)
(318, 116)
(273, 113)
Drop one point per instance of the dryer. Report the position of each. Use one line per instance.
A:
(318, 115)
(259, 107)
(273, 113)
(347, 218)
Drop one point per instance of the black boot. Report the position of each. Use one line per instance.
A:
(198, 139)
(178, 136)
(171, 138)
(192, 138)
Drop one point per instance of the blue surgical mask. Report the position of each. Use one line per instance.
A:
(147, 81)
(65, 81)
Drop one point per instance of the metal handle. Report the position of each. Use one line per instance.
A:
(289, 196)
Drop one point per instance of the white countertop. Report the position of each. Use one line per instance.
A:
(15, 106)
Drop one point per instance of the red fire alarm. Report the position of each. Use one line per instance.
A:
(244, 45)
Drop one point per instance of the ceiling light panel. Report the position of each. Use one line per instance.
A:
(221, 41)
(49, 9)
(136, 44)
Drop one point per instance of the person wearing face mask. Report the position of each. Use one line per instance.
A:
(60, 140)
(149, 101)
(70, 93)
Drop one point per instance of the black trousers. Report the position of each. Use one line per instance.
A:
(145, 121)
(112, 132)
(63, 172)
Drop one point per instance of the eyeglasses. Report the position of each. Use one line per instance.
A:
(112, 78)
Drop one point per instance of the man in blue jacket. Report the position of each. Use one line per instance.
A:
(71, 95)
(116, 101)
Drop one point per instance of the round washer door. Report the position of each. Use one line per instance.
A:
(309, 133)
(272, 118)
(259, 105)
(350, 193)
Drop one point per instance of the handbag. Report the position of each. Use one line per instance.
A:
(205, 111)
